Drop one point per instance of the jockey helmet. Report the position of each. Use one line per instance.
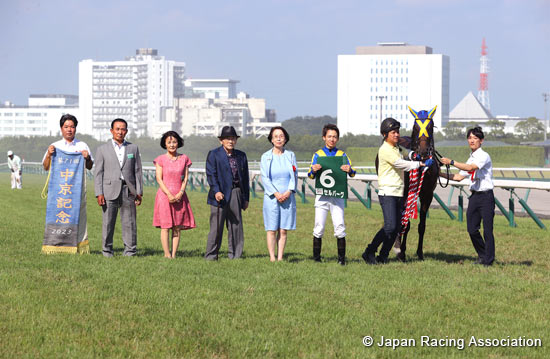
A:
(388, 125)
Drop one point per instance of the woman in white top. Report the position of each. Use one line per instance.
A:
(479, 169)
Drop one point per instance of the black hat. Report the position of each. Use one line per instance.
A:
(388, 125)
(228, 131)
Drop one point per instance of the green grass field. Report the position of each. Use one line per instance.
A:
(81, 306)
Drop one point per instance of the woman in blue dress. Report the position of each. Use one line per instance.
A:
(279, 178)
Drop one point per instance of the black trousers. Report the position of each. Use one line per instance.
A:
(392, 208)
(482, 208)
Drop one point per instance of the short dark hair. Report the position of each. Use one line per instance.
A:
(67, 117)
(270, 136)
(119, 120)
(330, 126)
(171, 134)
(476, 131)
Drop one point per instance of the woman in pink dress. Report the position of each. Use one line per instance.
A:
(172, 209)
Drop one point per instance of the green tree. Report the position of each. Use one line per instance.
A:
(307, 125)
(454, 131)
(496, 128)
(531, 129)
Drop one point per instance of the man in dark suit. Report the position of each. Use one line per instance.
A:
(119, 184)
(227, 175)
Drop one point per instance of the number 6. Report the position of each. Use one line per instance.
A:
(326, 180)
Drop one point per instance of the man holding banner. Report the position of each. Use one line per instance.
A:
(330, 168)
(66, 230)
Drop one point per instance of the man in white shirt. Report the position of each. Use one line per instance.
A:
(14, 164)
(69, 143)
(479, 169)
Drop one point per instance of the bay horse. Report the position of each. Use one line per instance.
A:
(422, 143)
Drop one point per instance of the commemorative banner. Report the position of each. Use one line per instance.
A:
(331, 180)
(66, 230)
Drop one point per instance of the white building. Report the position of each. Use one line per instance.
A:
(135, 89)
(40, 117)
(470, 110)
(382, 81)
(207, 116)
(211, 88)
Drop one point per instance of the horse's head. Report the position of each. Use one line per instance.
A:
(423, 130)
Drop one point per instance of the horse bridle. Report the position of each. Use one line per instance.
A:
(432, 152)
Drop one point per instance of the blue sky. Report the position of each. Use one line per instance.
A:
(285, 51)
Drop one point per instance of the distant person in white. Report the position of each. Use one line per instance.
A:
(479, 169)
(14, 164)
(69, 143)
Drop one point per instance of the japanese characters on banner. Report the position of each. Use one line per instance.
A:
(330, 180)
(65, 230)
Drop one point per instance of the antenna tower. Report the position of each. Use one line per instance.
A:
(483, 93)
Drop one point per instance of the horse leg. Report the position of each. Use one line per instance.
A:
(403, 244)
(424, 207)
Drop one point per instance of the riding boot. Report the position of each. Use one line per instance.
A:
(341, 243)
(317, 249)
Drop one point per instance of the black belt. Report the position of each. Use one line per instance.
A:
(486, 191)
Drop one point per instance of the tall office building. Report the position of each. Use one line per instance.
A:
(382, 81)
(135, 89)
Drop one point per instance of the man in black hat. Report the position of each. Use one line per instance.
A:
(227, 175)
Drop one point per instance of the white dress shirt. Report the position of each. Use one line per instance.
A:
(120, 151)
(482, 178)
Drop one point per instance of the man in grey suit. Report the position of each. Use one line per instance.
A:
(119, 184)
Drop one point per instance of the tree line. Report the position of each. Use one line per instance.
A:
(305, 138)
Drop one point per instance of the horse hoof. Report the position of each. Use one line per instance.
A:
(420, 256)
(401, 257)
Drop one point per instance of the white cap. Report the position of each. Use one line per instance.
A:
(10, 153)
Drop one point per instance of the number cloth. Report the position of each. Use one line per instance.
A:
(331, 181)
(66, 230)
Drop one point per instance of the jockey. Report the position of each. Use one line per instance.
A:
(390, 190)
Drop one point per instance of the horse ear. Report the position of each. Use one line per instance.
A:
(414, 113)
(432, 112)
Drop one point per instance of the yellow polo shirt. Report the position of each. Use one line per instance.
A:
(390, 180)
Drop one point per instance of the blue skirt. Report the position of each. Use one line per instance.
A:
(279, 215)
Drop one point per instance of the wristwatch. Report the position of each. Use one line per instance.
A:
(452, 162)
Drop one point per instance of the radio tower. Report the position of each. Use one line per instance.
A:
(483, 93)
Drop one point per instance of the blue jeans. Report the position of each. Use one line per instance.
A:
(392, 207)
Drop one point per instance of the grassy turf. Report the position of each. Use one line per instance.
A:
(89, 306)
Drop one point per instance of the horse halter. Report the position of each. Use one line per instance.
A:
(422, 131)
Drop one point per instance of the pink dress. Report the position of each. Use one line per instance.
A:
(179, 214)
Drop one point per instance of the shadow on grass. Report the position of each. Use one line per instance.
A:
(151, 252)
(461, 259)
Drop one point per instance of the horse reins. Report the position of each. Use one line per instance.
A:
(437, 156)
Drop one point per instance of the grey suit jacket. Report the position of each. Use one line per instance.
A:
(107, 171)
